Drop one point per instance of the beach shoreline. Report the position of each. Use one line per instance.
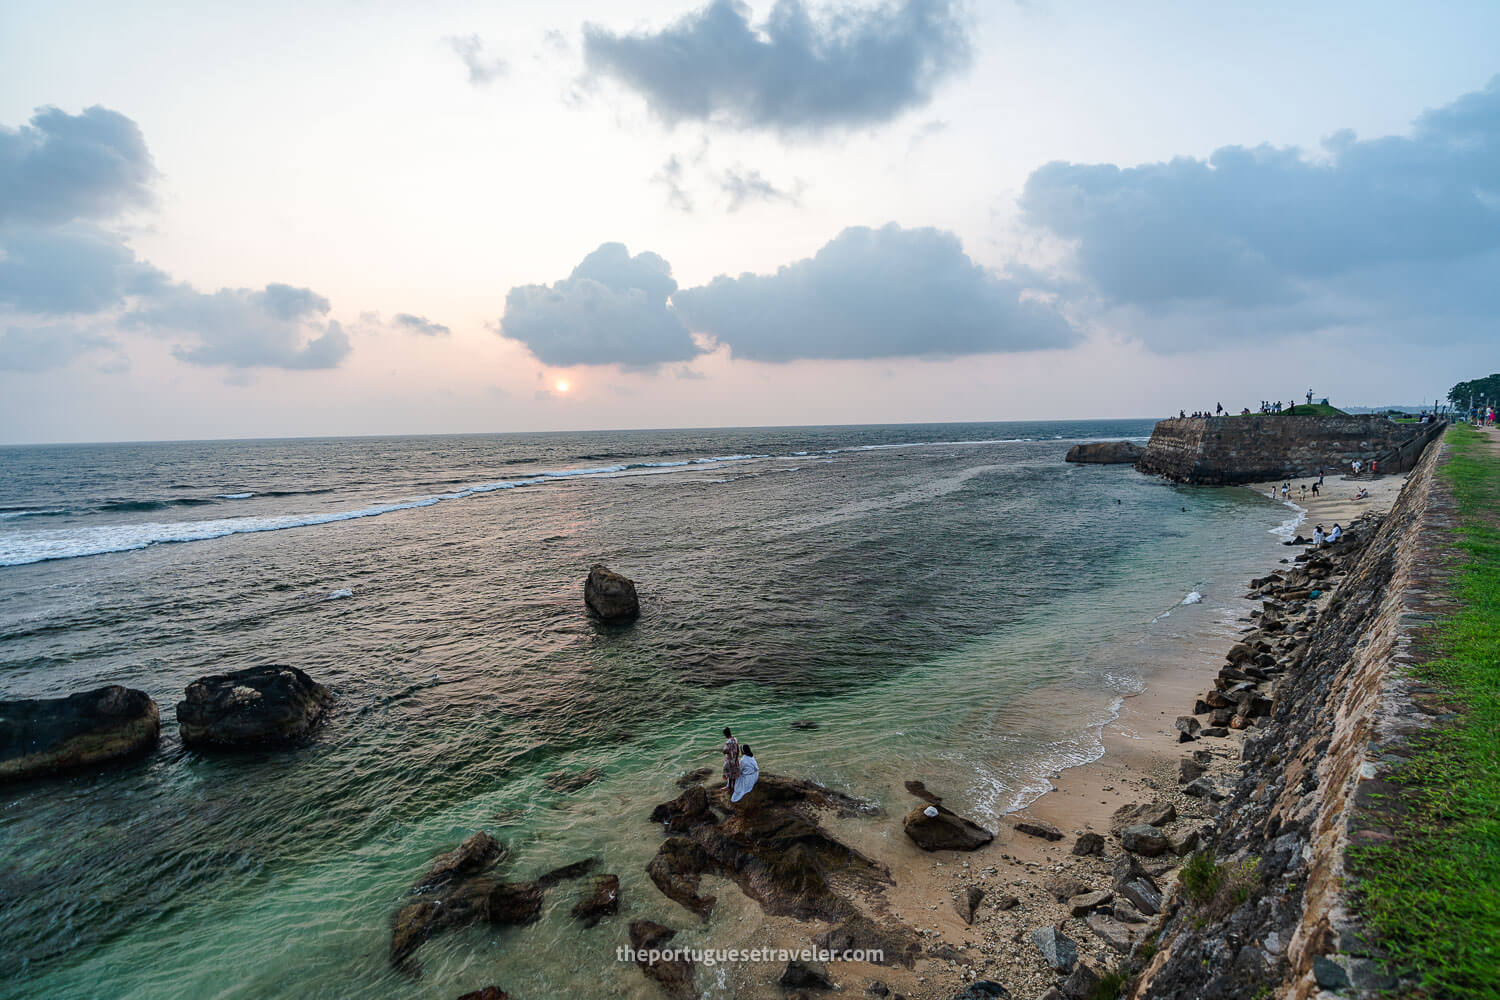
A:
(1140, 764)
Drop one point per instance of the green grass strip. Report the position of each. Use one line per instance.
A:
(1432, 895)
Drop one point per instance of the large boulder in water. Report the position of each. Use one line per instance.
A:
(1105, 453)
(611, 596)
(267, 706)
(49, 735)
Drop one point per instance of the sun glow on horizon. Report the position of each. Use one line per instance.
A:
(562, 385)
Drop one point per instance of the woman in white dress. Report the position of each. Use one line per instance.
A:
(749, 771)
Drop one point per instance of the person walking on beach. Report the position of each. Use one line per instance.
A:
(749, 772)
(1320, 475)
(731, 759)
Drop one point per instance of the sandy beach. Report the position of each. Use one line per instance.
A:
(1140, 765)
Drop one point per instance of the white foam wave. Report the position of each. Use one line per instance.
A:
(1192, 598)
(1287, 530)
(339, 595)
(24, 547)
(13, 514)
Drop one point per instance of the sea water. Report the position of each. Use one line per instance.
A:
(946, 602)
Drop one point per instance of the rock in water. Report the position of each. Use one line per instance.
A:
(674, 975)
(266, 706)
(50, 735)
(611, 596)
(1105, 453)
(602, 899)
(1057, 948)
(945, 831)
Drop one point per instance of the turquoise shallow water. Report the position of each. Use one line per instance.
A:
(951, 602)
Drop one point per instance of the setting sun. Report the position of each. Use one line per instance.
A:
(562, 385)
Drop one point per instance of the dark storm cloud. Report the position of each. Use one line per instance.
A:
(611, 310)
(873, 293)
(1271, 229)
(483, 69)
(72, 268)
(63, 167)
(275, 327)
(38, 348)
(421, 325)
(847, 67)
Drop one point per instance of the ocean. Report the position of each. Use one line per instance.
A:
(945, 602)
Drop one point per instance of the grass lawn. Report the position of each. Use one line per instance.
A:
(1432, 895)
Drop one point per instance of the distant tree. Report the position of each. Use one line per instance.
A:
(1485, 389)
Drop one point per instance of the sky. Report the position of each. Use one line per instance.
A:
(304, 219)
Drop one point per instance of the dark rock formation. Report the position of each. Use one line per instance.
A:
(1058, 950)
(1145, 840)
(769, 844)
(258, 707)
(1036, 828)
(946, 831)
(896, 943)
(966, 902)
(488, 993)
(800, 975)
(52, 735)
(921, 791)
(611, 596)
(1088, 902)
(983, 989)
(459, 889)
(1081, 984)
(1149, 813)
(674, 975)
(1105, 453)
(601, 900)
(1089, 845)
(563, 781)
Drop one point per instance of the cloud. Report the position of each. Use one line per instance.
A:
(71, 268)
(793, 74)
(483, 70)
(744, 185)
(63, 167)
(275, 327)
(422, 325)
(611, 310)
(38, 348)
(873, 293)
(670, 177)
(1273, 229)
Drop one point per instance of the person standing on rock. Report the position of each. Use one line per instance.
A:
(731, 759)
(1318, 537)
(749, 772)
